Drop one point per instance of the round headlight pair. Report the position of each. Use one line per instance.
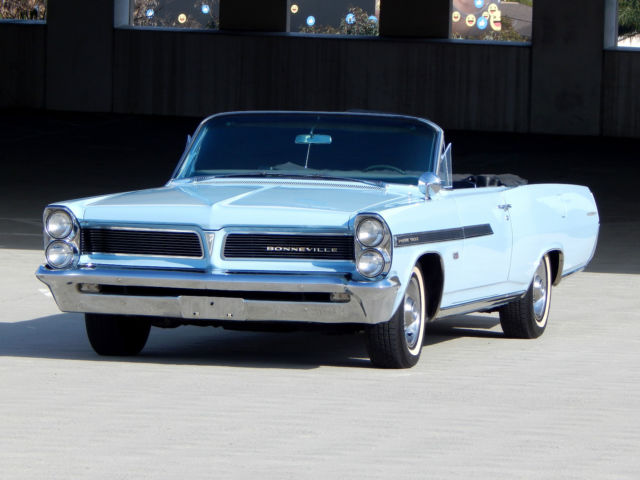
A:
(60, 254)
(370, 232)
(59, 224)
(371, 263)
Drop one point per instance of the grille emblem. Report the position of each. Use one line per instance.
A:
(302, 249)
(289, 246)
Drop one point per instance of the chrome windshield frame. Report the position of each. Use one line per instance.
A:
(433, 158)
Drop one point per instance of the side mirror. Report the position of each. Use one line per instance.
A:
(429, 185)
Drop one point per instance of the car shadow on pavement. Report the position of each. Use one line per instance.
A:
(449, 328)
(63, 336)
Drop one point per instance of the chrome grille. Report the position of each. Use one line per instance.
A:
(318, 247)
(141, 242)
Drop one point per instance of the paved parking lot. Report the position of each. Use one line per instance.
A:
(203, 402)
(207, 403)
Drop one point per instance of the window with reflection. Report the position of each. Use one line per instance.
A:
(491, 20)
(23, 9)
(199, 14)
(629, 23)
(334, 17)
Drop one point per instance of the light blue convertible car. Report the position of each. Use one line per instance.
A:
(302, 218)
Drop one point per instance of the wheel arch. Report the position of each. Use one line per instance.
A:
(556, 259)
(432, 268)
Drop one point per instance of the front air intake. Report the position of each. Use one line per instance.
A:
(141, 242)
(313, 247)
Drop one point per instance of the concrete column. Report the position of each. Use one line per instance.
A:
(415, 18)
(122, 12)
(610, 23)
(566, 66)
(254, 15)
(79, 55)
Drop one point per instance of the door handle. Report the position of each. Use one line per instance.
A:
(505, 207)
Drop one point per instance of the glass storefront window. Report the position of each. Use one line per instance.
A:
(23, 9)
(629, 23)
(176, 13)
(491, 20)
(337, 17)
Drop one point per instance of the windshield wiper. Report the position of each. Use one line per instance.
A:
(314, 176)
(377, 183)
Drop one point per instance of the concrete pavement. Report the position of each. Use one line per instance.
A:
(207, 403)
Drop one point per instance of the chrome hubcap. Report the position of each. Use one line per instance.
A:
(540, 293)
(412, 314)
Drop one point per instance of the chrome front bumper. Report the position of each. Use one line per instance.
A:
(368, 302)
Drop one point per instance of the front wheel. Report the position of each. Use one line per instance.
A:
(397, 343)
(527, 317)
(117, 334)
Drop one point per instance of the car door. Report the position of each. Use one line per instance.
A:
(486, 256)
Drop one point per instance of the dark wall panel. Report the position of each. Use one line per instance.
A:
(620, 93)
(79, 55)
(463, 86)
(567, 67)
(22, 61)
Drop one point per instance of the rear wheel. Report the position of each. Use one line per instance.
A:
(117, 334)
(397, 343)
(527, 317)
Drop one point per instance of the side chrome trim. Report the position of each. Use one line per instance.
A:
(477, 230)
(445, 235)
(573, 270)
(480, 304)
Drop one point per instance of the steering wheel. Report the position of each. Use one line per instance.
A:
(384, 166)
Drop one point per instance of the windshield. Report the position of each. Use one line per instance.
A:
(366, 147)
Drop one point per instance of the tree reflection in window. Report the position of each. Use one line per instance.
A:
(336, 17)
(195, 14)
(492, 20)
(23, 9)
(629, 23)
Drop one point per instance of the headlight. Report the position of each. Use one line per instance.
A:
(61, 237)
(373, 246)
(370, 263)
(59, 224)
(60, 254)
(370, 232)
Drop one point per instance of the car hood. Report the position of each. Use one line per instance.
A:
(214, 206)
